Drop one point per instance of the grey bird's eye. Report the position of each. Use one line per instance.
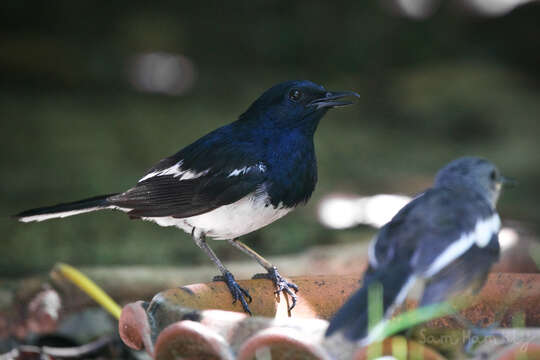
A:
(295, 95)
(493, 175)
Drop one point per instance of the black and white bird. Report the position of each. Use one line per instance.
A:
(447, 237)
(232, 181)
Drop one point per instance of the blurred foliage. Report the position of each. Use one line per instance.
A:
(73, 127)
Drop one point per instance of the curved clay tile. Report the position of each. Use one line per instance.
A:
(170, 325)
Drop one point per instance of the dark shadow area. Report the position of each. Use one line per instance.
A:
(93, 94)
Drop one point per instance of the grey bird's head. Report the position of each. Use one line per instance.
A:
(473, 173)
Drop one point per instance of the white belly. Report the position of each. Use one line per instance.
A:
(248, 214)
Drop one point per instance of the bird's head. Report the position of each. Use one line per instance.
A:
(295, 104)
(474, 173)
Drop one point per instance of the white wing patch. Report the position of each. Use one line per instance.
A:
(176, 171)
(485, 230)
(481, 235)
(242, 171)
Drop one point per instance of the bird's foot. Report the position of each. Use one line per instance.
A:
(478, 334)
(237, 292)
(282, 285)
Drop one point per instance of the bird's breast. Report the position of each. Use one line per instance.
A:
(292, 167)
(293, 182)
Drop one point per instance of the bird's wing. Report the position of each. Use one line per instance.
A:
(212, 172)
(169, 195)
(435, 229)
(467, 271)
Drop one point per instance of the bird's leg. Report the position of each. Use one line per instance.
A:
(282, 285)
(237, 292)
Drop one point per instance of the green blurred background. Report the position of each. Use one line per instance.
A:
(93, 93)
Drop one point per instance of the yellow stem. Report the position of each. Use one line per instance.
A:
(90, 288)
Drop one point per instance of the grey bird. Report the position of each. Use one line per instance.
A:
(447, 237)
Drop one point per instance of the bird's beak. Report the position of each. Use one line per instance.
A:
(507, 182)
(332, 99)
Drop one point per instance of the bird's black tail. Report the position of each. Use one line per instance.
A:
(352, 318)
(65, 209)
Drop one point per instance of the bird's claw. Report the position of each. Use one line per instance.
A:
(237, 292)
(281, 284)
(477, 332)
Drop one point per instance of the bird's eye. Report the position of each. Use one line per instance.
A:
(295, 94)
(493, 175)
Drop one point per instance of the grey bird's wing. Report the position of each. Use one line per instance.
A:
(468, 271)
(427, 227)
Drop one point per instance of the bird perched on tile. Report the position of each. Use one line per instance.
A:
(446, 237)
(232, 181)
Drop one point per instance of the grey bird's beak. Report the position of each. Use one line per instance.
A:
(507, 182)
(332, 99)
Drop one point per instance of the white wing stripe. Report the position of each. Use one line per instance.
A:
(481, 235)
(176, 171)
(401, 296)
(242, 171)
(372, 256)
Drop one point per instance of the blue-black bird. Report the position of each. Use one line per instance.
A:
(232, 181)
(447, 237)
